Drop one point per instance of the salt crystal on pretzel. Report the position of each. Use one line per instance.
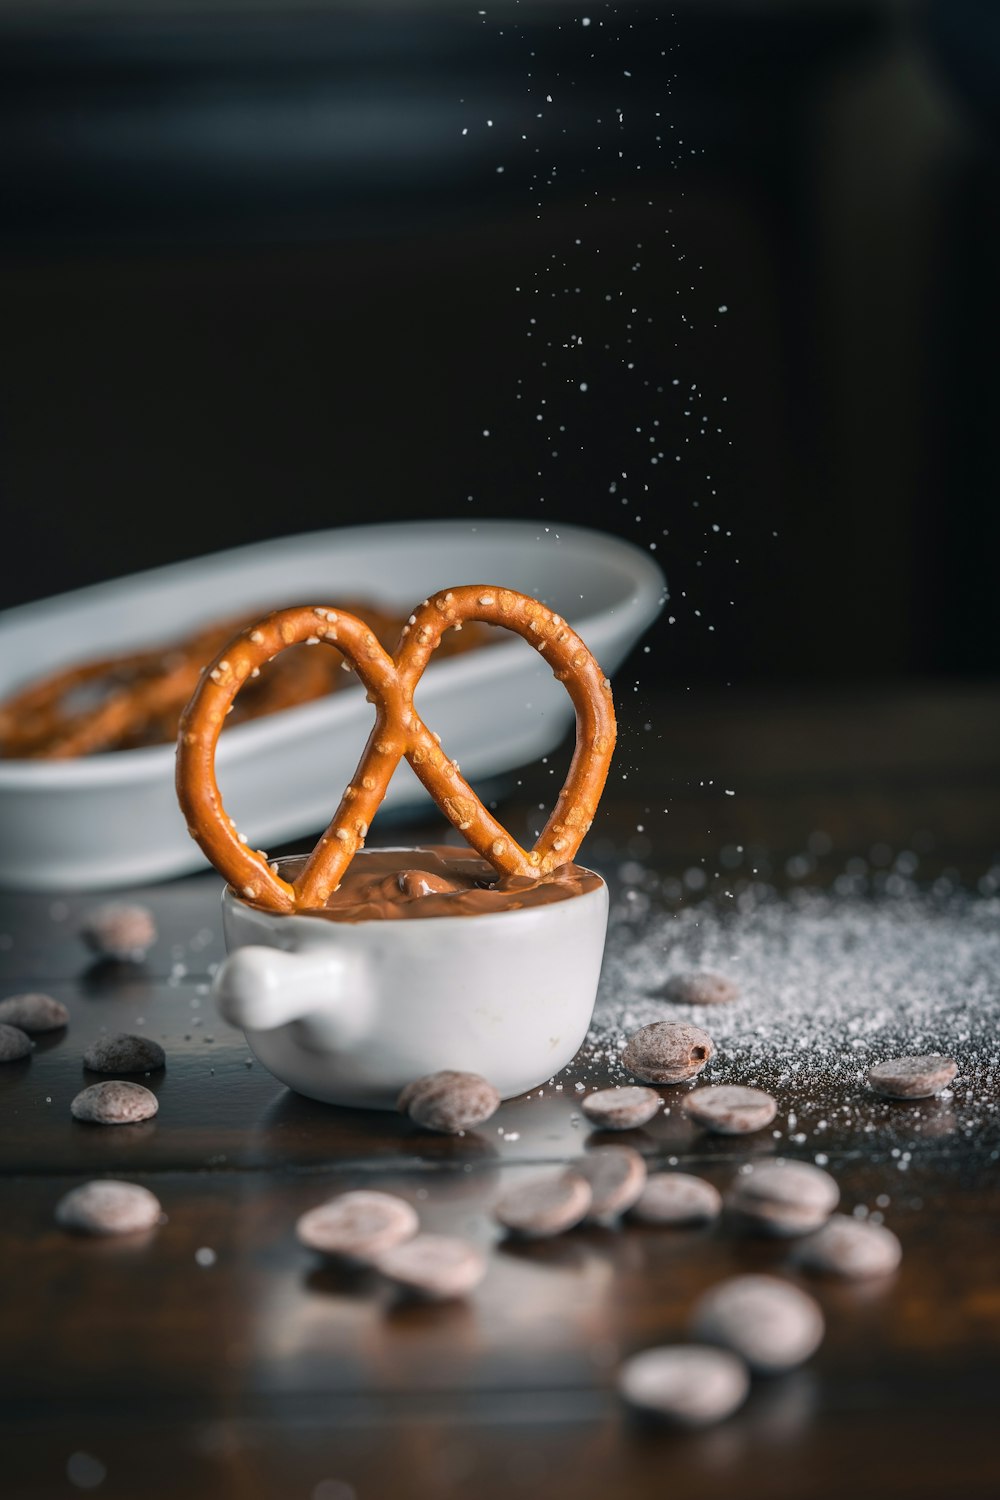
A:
(390, 682)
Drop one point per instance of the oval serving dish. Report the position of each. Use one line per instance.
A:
(112, 819)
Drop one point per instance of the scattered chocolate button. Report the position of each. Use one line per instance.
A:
(689, 1384)
(108, 1207)
(124, 1053)
(449, 1102)
(853, 1248)
(622, 1109)
(668, 1052)
(119, 931)
(783, 1197)
(771, 1324)
(616, 1175)
(14, 1044)
(701, 989)
(33, 1013)
(677, 1198)
(114, 1102)
(912, 1077)
(434, 1265)
(730, 1109)
(545, 1205)
(359, 1226)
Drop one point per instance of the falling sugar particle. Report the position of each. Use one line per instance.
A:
(85, 1471)
(338, 1489)
(205, 1256)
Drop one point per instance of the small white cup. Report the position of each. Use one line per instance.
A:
(351, 1012)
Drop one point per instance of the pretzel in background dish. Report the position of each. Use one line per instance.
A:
(134, 699)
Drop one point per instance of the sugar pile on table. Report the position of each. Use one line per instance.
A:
(829, 985)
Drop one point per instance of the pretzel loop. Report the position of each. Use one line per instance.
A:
(399, 731)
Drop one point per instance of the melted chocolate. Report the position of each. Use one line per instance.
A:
(439, 881)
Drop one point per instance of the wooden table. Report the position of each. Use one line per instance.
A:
(266, 1374)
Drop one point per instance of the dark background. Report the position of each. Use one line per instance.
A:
(255, 279)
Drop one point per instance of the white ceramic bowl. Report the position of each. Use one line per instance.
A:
(351, 1012)
(112, 820)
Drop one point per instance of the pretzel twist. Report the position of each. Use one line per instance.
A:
(133, 699)
(399, 731)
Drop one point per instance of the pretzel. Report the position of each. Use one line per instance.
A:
(133, 699)
(399, 731)
(122, 695)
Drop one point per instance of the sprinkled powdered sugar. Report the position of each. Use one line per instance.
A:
(829, 985)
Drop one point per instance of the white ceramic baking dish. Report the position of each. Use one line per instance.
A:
(112, 820)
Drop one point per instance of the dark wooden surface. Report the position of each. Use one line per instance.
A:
(267, 1375)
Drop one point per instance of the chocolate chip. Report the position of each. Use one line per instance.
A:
(545, 1205)
(114, 1103)
(14, 1044)
(359, 1226)
(677, 1198)
(621, 1109)
(617, 1175)
(783, 1197)
(688, 1384)
(850, 1247)
(33, 1013)
(668, 1052)
(701, 989)
(771, 1324)
(108, 1207)
(119, 931)
(449, 1102)
(912, 1077)
(730, 1109)
(434, 1265)
(123, 1053)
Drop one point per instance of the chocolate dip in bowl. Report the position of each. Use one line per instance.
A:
(423, 959)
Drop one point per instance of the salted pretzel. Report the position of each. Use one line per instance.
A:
(135, 698)
(399, 731)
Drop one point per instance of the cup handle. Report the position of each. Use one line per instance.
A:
(259, 989)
